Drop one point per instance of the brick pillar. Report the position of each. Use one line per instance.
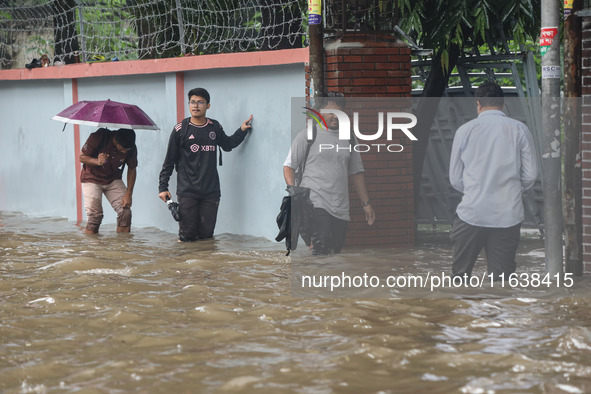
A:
(586, 142)
(374, 65)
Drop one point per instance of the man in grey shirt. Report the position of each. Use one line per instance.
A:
(492, 163)
(326, 174)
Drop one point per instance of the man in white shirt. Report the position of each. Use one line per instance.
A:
(492, 163)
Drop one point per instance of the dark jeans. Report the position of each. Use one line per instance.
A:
(198, 217)
(328, 232)
(500, 246)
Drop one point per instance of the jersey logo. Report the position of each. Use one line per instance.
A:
(192, 137)
(194, 148)
(212, 135)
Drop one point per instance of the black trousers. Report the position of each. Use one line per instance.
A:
(198, 217)
(500, 246)
(328, 232)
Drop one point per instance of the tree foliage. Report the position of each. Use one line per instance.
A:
(468, 24)
(106, 29)
(454, 28)
(213, 26)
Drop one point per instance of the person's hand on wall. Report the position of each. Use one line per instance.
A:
(247, 124)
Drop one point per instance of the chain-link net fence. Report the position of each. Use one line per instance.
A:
(87, 30)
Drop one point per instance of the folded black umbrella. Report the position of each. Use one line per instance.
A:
(294, 217)
(174, 209)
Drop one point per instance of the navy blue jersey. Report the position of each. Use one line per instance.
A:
(193, 149)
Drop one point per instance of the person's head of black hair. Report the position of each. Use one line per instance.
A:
(490, 94)
(331, 98)
(125, 138)
(199, 92)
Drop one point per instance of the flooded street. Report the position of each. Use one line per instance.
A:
(142, 313)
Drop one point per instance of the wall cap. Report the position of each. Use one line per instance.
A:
(158, 66)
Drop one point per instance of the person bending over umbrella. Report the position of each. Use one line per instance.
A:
(104, 156)
(192, 148)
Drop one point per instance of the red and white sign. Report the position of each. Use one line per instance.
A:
(547, 35)
(549, 32)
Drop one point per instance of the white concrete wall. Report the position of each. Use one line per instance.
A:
(39, 169)
(37, 160)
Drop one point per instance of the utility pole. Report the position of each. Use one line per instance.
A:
(316, 47)
(551, 136)
(572, 182)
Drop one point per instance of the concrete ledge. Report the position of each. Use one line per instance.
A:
(157, 66)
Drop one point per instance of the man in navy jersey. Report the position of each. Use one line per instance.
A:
(193, 149)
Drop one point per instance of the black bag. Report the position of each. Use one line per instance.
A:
(299, 172)
(294, 217)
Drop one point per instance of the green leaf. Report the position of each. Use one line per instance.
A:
(444, 60)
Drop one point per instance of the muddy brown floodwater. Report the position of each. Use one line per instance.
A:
(142, 313)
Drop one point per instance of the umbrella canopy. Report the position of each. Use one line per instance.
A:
(106, 113)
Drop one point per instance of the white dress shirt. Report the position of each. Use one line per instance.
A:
(493, 162)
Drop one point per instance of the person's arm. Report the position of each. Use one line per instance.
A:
(529, 166)
(131, 175)
(93, 161)
(227, 143)
(295, 158)
(89, 147)
(172, 157)
(456, 166)
(289, 175)
(361, 189)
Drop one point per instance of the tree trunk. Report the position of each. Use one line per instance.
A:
(427, 109)
(64, 30)
(572, 178)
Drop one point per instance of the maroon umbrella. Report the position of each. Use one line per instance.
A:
(106, 113)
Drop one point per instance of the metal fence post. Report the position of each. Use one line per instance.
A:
(81, 36)
(179, 15)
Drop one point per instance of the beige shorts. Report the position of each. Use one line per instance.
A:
(93, 197)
